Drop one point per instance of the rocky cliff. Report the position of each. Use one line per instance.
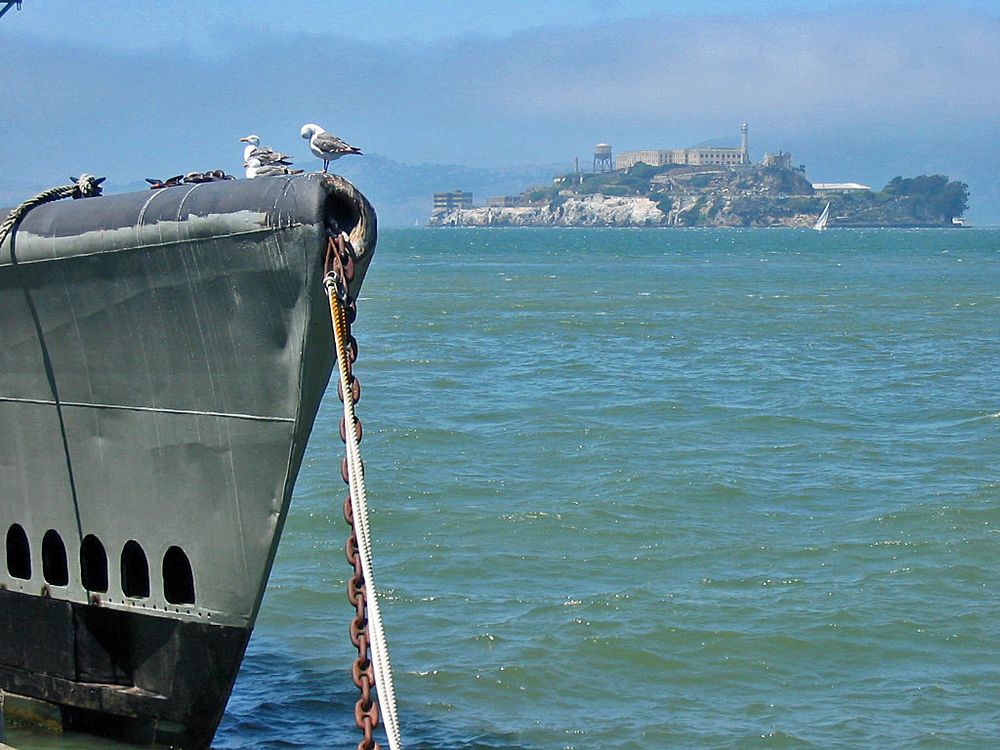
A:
(572, 211)
(645, 196)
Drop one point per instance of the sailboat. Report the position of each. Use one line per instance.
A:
(820, 224)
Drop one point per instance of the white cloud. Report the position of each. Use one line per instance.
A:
(866, 80)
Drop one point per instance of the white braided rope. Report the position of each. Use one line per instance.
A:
(359, 509)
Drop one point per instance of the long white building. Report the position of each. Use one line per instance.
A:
(711, 155)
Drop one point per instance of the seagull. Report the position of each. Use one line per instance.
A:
(326, 146)
(264, 154)
(256, 169)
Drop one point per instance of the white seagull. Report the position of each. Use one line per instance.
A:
(326, 146)
(263, 154)
(255, 168)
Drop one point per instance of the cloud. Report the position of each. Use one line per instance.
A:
(849, 68)
(858, 80)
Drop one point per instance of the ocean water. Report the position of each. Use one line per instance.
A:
(656, 489)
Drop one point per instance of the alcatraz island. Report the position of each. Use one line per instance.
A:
(707, 187)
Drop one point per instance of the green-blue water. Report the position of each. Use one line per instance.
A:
(658, 489)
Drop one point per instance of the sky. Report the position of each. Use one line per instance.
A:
(856, 91)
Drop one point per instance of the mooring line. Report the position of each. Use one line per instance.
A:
(336, 282)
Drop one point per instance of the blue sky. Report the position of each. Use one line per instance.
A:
(856, 91)
(130, 24)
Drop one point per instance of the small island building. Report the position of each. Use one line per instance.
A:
(451, 200)
(841, 188)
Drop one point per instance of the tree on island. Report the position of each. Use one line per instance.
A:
(944, 198)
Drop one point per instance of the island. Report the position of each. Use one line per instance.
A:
(771, 194)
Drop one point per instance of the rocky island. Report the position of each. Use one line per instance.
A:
(739, 195)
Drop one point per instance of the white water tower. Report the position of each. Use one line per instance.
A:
(603, 160)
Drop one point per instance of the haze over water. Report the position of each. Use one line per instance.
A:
(657, 489)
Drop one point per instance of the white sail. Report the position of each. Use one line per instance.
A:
(820, 224)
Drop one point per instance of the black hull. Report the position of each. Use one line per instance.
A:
(135, 677)
(162, 358)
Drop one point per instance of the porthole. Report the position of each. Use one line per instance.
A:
(18, 553)
(178, 580)
(55, 569)
(93, 565)
(135, 571)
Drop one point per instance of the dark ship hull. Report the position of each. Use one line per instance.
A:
(162, 358)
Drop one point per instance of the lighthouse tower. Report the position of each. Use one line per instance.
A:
(744, 149)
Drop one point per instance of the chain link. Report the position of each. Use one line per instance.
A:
(340, 271)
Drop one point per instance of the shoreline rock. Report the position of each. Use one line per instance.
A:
(755, 196)
(579, 211)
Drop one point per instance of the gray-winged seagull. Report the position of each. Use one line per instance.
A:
(326, 146)
(264, 154)
(256, 169)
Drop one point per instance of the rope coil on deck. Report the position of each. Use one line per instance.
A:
(367, 630)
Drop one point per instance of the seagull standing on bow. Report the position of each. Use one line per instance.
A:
(326, 146)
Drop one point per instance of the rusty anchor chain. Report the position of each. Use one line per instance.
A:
(371, 667)
(339, 266)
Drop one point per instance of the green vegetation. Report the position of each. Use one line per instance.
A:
(663, 201)
(799, 204)
(633, 181)
(620, 190)
(700, 180)
(541, 195)
(932, 193)
(643, 171)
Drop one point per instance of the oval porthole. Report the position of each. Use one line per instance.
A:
(55, 568)
(93, 565)
(135, 571)
(18, 553)
(178, 579)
